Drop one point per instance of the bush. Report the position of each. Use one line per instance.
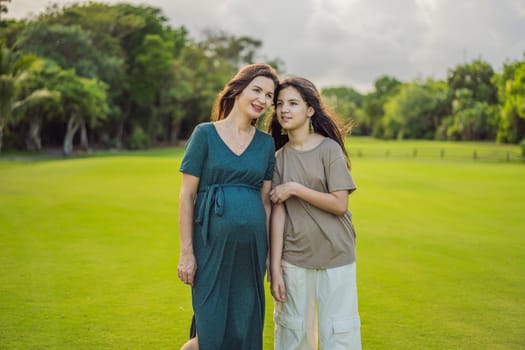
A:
(522, 144)
(139, 139)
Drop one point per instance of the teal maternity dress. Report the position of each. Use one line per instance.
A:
(229, 238)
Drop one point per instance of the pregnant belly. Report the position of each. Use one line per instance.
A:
(243, 217)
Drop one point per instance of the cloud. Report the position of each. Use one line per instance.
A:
(353, 42)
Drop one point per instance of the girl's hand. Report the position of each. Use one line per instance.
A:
(278, 288)
(282, 192)
(187, 268)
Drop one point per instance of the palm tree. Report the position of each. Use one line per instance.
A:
(13, 70)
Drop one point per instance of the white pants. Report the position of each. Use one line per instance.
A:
(321, 309)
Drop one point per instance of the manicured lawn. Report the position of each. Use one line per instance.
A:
(89, 249)
(441, 254)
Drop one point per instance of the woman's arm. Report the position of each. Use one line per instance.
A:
(267, 203)
(187, 262)
(333, 202)
(278, 287)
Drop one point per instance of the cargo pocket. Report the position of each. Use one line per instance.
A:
(346, 334)
(345, 326)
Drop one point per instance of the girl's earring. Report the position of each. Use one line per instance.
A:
(312, 130)
(284, 131)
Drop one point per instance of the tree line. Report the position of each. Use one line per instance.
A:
(473, 103)
(119, 76)
(115, 76)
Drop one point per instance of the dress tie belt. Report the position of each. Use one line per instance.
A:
(213, 203)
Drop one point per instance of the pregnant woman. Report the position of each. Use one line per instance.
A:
(224, 209)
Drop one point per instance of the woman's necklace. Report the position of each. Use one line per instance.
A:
(240, 145)
(238, 141)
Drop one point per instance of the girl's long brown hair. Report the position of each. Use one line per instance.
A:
(324, 122)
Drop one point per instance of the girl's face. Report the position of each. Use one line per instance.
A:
(255, 99)
(292, 111)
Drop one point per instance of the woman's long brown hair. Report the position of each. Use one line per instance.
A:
(226, 98)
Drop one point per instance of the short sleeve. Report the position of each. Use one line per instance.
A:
(338, 176)
(195, 153)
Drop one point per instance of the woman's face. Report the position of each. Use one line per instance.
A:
(255, 99)
(292, 111)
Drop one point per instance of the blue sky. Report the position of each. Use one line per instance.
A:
(353, 42)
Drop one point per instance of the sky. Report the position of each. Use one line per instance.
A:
(353, 42)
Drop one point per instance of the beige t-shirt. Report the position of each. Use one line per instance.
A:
(314, 238)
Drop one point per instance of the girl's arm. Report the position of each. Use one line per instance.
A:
(333, 202)
(278, 287)
(187, 262)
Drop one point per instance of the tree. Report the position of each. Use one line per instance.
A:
(348, 103)
(151, 74)
(475, 96)
(198, 78)
(237, 51)
(69, 46)
(120, 31)
(416, 110)
(476, 77)
(157, 83)
(471, 119)
(34, 102)
(511, 94)
(82, 102)
(10, 30)
(12, 67)
(385, 86)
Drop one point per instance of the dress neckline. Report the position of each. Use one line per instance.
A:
(214, 127)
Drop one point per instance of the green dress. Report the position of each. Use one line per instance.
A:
(229, 238)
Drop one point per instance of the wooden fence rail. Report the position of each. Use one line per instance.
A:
(459, 154)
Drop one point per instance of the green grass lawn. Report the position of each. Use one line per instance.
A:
(89, 249)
